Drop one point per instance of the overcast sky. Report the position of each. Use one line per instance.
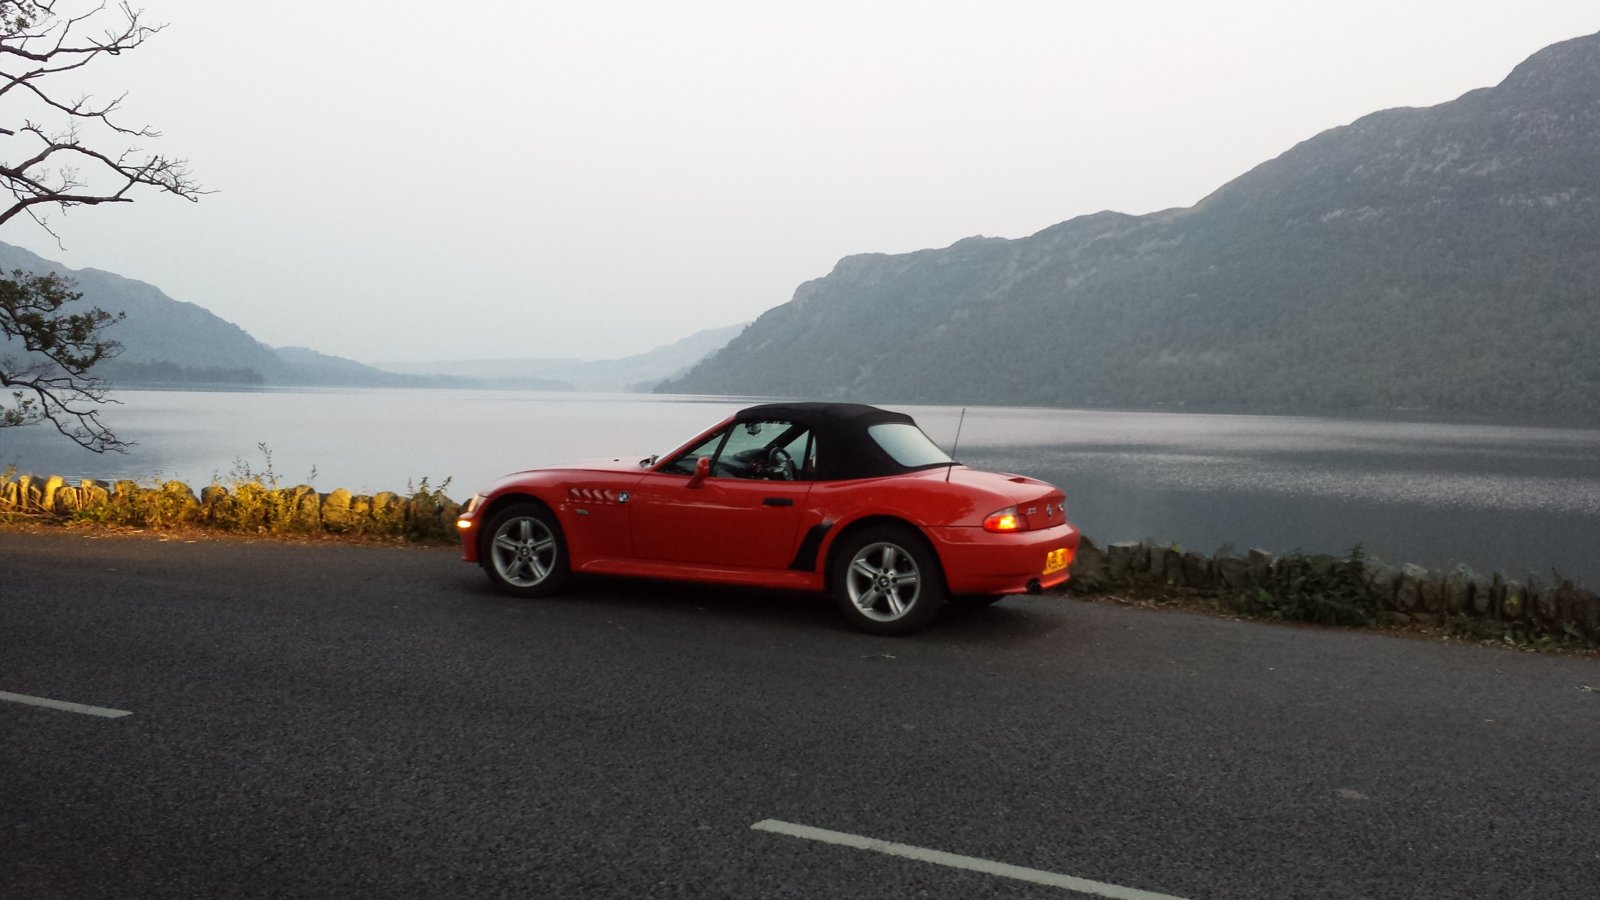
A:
(593, 179)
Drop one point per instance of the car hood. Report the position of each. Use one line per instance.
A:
(620, 465)
(603, 464)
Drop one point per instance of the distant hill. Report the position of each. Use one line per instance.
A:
(166, 342)
(169, 342)
(1445, 258)
(310, 368)
(640, 372)
(161, 337)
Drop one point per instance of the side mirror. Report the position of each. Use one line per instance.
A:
(702, 468)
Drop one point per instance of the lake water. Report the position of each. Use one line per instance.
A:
(1515, 498)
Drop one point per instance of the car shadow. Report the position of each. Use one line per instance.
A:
(1010, 621)
(685, 600)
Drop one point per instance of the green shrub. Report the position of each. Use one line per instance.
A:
(1530, 635)
(255, 502)
(425, 511)
(1299, 592)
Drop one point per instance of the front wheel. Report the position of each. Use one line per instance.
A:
(887, 580)
(526, 553)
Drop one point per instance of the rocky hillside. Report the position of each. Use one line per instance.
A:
(1444, 258)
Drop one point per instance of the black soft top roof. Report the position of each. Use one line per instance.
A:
(844, 449)
(857, 415)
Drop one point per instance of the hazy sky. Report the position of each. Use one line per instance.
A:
(597, 178)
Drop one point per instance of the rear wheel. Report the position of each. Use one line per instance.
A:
(525, 553)
(887, 580)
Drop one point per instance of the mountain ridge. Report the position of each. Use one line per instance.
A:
(1411, 259)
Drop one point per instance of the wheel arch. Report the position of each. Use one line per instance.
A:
(841, 535)
(501, 501)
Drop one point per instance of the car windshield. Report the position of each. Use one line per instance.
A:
(907, 445)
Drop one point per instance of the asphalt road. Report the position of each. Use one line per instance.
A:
(348, 721)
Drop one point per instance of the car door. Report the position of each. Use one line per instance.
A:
(739, 514)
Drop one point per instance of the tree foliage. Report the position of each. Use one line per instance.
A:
(58, 152)
(50, 380)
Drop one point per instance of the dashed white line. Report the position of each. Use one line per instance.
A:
(971, 863)
(64, 705)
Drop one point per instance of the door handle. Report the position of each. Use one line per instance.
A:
(777, 501)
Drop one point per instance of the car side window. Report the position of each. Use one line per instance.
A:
(802, 449)
(766, 451)
(684, 465)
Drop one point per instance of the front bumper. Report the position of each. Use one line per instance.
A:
(467, 527)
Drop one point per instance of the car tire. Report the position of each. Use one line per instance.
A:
(525, 552)
(886, 580)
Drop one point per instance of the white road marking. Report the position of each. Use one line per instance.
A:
(972, 863)
(64, 705)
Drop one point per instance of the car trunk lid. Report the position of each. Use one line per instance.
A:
(1039, 503)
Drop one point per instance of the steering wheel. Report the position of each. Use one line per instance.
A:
(780, 465)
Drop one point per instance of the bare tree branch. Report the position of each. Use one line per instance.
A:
(31, 31)
(68, 156)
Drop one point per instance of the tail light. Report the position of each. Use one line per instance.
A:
(1005, 520)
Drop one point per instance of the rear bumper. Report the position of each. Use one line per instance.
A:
(980, 562)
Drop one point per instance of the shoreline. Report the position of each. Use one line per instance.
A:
(1348, 591)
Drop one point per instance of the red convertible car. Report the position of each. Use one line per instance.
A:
(849, 499)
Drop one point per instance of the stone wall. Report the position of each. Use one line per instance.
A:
(249, 507)
(1410, 593)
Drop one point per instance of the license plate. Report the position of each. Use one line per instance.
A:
(1055, 561)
